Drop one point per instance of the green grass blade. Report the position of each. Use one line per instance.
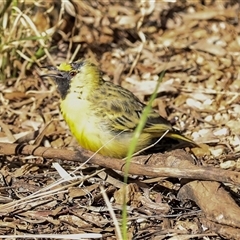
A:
(132, 148)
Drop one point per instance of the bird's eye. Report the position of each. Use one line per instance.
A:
(72, 73)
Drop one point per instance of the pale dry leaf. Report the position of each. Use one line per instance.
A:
(204, 45)
(238, 164)
(200, 96)
(68, 6)
(234, 125)
(127, 21)
(195, 104)
(209, 13)
(221, 132)
(204, 135)
(147, 87)
(16, 137)
(217, 151)
(228, 164)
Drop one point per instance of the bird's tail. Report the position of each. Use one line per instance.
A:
(172, 140)
(181, 139)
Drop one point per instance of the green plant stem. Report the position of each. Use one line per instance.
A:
(132, 148)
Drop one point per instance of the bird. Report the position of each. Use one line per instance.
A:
(103, 116)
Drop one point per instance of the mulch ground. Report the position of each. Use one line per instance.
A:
(46, 187)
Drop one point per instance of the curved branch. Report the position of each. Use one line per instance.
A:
(180, 170)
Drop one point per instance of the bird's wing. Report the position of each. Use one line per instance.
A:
(123, 111)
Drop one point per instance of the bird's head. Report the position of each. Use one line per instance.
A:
(74, 76)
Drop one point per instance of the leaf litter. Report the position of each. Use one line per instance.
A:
(196, 42)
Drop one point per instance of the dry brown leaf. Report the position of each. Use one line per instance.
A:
(25, 169)
(133, 195)
(75, 221)
(84, 191)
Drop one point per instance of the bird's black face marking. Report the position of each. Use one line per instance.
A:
(63, 83)
(62, 79)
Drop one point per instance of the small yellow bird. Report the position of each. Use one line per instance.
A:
(103, 116)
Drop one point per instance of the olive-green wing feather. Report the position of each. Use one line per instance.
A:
(124, 110)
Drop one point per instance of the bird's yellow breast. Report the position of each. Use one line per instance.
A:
(92, 132)
(81, 123)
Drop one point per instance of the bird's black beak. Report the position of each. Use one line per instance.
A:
(56, 74)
